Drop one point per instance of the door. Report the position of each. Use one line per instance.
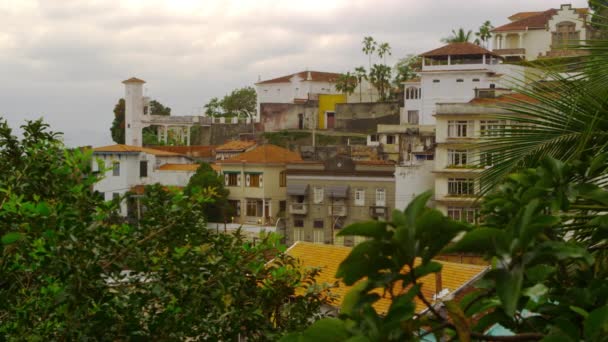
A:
(300, 121)
(331, 120)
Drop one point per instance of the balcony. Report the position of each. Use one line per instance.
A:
(337, 210)
(510, 52)
(298, 208)
(378, 212)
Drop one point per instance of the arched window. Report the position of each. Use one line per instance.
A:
(412, 93)
(565, 34)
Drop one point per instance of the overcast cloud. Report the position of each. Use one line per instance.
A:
(64, 59)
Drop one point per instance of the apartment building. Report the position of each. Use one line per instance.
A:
(459, 155)
(257, 183)
(323, 197)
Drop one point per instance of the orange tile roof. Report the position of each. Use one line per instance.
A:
(179, 167)
(118, 148)
(316, 76)
(235, 145)
(133, 80)
(201, 151)
(533, 20)
(265, 154)
(454, 276)
(457, 49)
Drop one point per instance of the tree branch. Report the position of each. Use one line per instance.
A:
(518, 337)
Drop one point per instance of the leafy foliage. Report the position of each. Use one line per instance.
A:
(208, 181)
(380, 77)
(484, 34)
(71, 269)
(458, 36)
(346, 83)
(239, 103)
(544, 234)
(406, 69)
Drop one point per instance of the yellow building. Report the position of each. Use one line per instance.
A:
(257, 183)
(327, 110)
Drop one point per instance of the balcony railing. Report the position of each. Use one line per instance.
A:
(337, 210)
(376, 212)
(510, 52)
(298, 208)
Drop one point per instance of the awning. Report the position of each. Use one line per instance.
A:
(337, 191)
(297, 189)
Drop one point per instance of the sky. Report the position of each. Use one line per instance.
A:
(64, 60)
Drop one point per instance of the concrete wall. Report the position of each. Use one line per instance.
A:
(218, 134)
(411, 180)
(364, 117)
(282, 116)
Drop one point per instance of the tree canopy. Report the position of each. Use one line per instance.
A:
(72, 269)
(458, 36)
(239, 103)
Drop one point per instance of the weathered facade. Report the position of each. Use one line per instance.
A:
(287, 116)
(323, 197)
(364, 117)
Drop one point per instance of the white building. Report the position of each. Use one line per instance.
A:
(412, 179)
(531, 35)
(130, 166)
(453, 73)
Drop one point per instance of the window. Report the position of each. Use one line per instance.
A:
(317, 224)
(436, 81)
(412, 117)
(491, 128)
(475, 80)
(254, 180)
(318, 236)
(462, 214)
(232, 179)
(459, 129)
(143, 168)
(282, 206)
(461, 186)
(254, 208)
(492, 86)
(373, 137)
(298, 234)
(115, 196)
(283, 179)
(564, 35)
(390, 139)
(459, 80)
(116, 168)
(412, 93)
(318, 195)
(380, 197)
(488, 158)
(298, 223)
(458, 157)
(236, 207)
(360, 197)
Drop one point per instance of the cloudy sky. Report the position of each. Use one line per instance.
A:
(64, 59)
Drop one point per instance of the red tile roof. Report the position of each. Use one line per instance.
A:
(265, 154)
(316, 76)
(509, 98)
(458, 49)
(235, 145)
(133, 80)
(118, 148)
(178, 167)
(532, 20)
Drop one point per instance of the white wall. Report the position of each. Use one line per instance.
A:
(412, 180)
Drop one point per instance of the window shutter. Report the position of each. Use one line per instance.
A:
(226, 178)
(247, 180)
(238, 180)
(261, 181)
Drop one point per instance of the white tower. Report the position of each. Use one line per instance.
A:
(134, 111)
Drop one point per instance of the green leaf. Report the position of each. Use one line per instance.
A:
(11, 238)
(596, 324)
(508, 288)
(366, 259)
(424, 269)
(352, 298)
(326, 330)
(579, 311)
(460, 320)
(535, 292)
(374, 229)
(480, 240)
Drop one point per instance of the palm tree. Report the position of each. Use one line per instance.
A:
(361, 75)
(384, 49)
(369, 47)
(459, 36)
(566, 118)
(380, 77)
(484, 34)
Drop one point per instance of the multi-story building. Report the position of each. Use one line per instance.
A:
(129, 166)
(326, 196)
(459, 156)
(257, 183)
(531, 35)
